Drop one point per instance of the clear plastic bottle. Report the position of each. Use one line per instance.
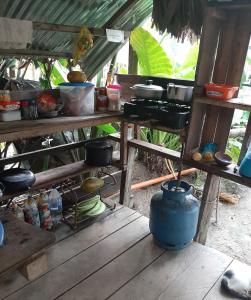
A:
(55, 205)
(31, 213)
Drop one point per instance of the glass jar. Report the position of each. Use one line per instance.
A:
(101, 99)
(29, 110)
(113, 94)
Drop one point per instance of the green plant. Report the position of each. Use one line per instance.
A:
(157, 137)
(151, 56)
(234, 149)
(154, 61)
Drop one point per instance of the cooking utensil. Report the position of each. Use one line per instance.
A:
(17, 179)
(179, 92)
(148, 90)
(222, 158)
(98, 153)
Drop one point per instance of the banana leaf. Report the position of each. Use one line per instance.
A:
(151, 56)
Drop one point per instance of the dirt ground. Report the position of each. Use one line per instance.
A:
(232, 233)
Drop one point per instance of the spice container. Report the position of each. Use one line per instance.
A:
(9, 105)
(113, 94)
(14, 115)
(5, 95)
(29, 110)
(101, 99)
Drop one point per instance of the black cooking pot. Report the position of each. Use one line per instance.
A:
(17, 179)
(98, 153)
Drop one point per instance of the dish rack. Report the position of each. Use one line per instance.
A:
(70, 212)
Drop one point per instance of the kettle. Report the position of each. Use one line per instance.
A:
(245, 166)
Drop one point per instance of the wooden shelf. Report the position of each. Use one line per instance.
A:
(156, 125)
(224, 172)
(57, 175)
(17, 130)
(22, 241)
(235, 103)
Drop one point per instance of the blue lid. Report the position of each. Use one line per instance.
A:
(80, 84)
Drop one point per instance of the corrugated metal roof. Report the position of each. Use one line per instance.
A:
(93, 13)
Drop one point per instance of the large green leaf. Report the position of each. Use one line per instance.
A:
(107, 128)
(188, 68)
(152, 58)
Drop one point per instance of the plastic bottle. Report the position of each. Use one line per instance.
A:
(44, 211)
(55, 205)
(31, 213)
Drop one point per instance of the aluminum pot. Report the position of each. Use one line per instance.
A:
(98, 153)
(148, 91)
(179, 92)
(17, 179)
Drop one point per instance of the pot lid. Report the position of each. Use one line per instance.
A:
(148, 86)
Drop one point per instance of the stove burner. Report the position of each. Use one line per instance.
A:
(170, 114)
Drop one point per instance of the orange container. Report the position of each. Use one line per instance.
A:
(220, 91)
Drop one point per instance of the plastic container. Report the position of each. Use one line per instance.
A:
(9, 105)
(220, 91)
(78, 98)
(245, 166)
(113, 94)
(14, 115)
(29, 110)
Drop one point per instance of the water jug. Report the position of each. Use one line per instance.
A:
(174, 215)
(245, 166)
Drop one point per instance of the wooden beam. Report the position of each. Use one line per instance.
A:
(17, 130)
(44, 152)
(155, 149)
(36, 53)
(207, 206)
(99, 32)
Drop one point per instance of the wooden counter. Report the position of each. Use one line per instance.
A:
(17, 130)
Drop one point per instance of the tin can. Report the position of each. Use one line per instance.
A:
(101, 99)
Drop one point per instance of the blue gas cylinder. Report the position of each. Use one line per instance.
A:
(1, 233)
(174, 215)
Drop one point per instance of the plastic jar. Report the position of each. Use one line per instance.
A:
(113, 94)
(78, 98)
(101, 99)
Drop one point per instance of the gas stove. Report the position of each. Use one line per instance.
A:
(169, 113)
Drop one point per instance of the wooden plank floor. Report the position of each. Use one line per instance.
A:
(116, 258)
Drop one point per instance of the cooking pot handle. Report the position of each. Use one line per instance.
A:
(149, 82)
(169, 86)
(2, 187)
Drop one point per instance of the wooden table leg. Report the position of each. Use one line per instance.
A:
(207, 206)
(126, 180)
(127, 172)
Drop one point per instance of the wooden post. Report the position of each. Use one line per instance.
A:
(126, 179)
(123, 158)
(207, 205)
(204, 73)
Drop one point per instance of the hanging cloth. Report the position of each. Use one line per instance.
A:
(15, 34)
